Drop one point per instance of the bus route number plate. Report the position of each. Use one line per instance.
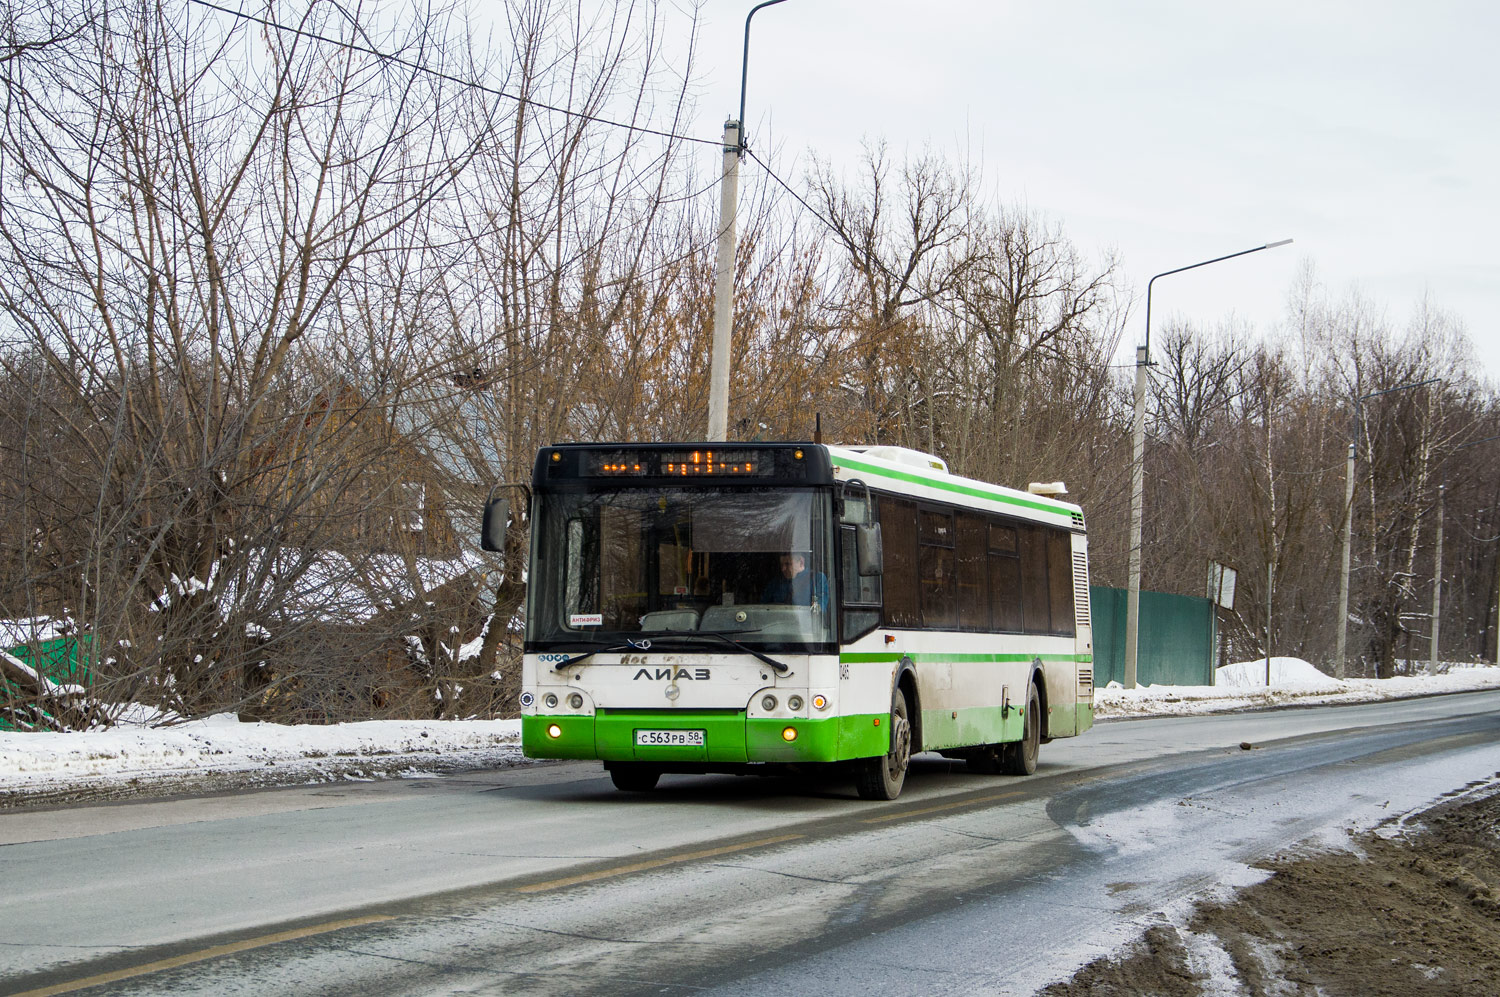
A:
(669, 737)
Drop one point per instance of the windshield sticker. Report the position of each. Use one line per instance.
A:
(586, 620)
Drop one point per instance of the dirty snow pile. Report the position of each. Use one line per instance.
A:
(220, 751)
(1243, 686)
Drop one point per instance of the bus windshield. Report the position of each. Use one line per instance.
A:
(752, 563)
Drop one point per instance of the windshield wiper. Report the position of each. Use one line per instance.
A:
(686, 636)
(629, 645)
(725, 636)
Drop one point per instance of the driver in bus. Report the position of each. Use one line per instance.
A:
(797, 586)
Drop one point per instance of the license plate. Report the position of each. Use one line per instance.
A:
(669, 737)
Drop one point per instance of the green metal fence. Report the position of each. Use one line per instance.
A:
(57, 659)
(1177, 638)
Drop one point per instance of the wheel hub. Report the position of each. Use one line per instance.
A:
(900, 744)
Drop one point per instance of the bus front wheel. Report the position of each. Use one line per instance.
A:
(1019, 757)
(882, 778)
(633, 777)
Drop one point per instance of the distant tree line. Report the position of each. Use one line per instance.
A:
(280, 298)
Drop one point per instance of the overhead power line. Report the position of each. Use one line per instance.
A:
(417, 66)
(788, 187)
(496, 92)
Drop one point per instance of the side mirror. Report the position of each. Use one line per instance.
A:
(496, 518)
(868, 550)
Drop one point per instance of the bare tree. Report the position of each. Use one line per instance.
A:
(186, 198)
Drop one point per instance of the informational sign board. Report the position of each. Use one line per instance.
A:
(1221, 579)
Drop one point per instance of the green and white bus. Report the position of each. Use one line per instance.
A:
(752, 606)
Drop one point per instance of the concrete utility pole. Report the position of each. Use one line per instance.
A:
(718, 378)
(1437, 586)
(1137, 495)
(1341, 645)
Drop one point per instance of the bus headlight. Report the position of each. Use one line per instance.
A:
(768, 704)
(794, 703)
(550, 700)
(820, 702)
(553, 730)
(575, 701)
(789, 733)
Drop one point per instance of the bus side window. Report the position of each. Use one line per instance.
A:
(861, 590)
(898, 527)
(1034, 591)
(861, 594)
(973, 593)
(1060, 581)
(1005, 579)
(935, 561)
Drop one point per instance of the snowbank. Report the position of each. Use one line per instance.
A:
(222, 751)
(1243, 686)
(1285, 672)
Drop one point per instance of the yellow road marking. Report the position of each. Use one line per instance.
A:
(621, 870)
(203, 954)
(942, 806)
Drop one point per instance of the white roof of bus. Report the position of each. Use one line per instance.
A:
(856, 459)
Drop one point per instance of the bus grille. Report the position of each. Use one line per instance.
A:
(1081, 588)
(1085, 682)
(1078, 520)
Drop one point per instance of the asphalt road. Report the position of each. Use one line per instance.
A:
(544, 880)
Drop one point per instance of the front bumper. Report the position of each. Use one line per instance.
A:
(730, 737)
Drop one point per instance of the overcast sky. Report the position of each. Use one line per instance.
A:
(1168, 132)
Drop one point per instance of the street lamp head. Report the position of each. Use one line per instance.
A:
(1194, 266)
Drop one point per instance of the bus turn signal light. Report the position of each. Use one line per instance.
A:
(820, 702)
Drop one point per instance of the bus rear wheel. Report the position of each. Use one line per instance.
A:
(1019, 757)
(633, 777)
(882, 778)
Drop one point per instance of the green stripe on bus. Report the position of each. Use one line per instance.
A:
(918, 479)
(865, 657)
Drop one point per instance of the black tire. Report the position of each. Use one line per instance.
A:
(1019, 757)
(882, 778)
(633, 777)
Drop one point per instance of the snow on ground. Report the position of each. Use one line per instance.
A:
(1243, 686)
(222, 753)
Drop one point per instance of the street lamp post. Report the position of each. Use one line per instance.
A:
(1342, 644)
(734, 151)
(1138, 466)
